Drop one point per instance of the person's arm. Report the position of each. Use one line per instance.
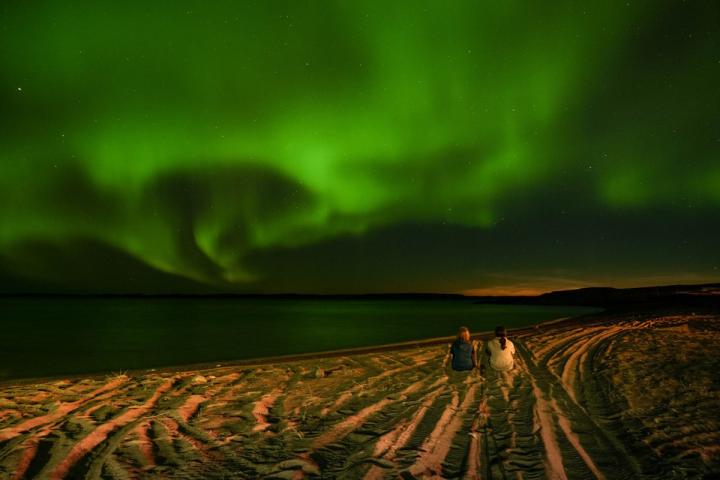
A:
(475, 353)
(448, 356)
(485, 361)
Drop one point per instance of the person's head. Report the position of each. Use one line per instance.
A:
(464, 334)
(501, 333)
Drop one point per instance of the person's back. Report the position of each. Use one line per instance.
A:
(501, 359)
(462, 355)
(462, 351)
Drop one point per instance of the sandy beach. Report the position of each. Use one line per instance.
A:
(633, 395)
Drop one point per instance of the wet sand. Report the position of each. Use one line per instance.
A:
(617, 396)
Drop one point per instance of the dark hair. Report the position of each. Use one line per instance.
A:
(502, 334)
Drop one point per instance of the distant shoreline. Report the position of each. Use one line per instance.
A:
(269, 296)
(706, 294)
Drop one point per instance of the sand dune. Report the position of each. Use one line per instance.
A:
(634, 396)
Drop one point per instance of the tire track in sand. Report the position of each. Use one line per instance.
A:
(97, 436)
(583, 449)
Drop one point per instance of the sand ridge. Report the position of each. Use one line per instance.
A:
(622, 397)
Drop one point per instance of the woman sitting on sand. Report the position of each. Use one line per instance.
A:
(500, 351)
(462, 351)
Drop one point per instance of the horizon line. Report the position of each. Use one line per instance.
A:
(355, 295)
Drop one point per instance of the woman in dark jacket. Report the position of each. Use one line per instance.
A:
(463, 351)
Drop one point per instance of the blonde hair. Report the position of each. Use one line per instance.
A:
(463, 334)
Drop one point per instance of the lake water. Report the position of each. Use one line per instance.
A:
(58, 336)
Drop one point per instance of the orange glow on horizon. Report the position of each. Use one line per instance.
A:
(528, 287)
(505, 291)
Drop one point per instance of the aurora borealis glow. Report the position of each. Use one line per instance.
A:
(374, 146)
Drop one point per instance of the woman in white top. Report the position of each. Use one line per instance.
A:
(500, 351)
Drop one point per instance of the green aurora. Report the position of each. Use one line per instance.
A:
(374, 146)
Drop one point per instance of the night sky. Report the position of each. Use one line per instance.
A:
(358, 146)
